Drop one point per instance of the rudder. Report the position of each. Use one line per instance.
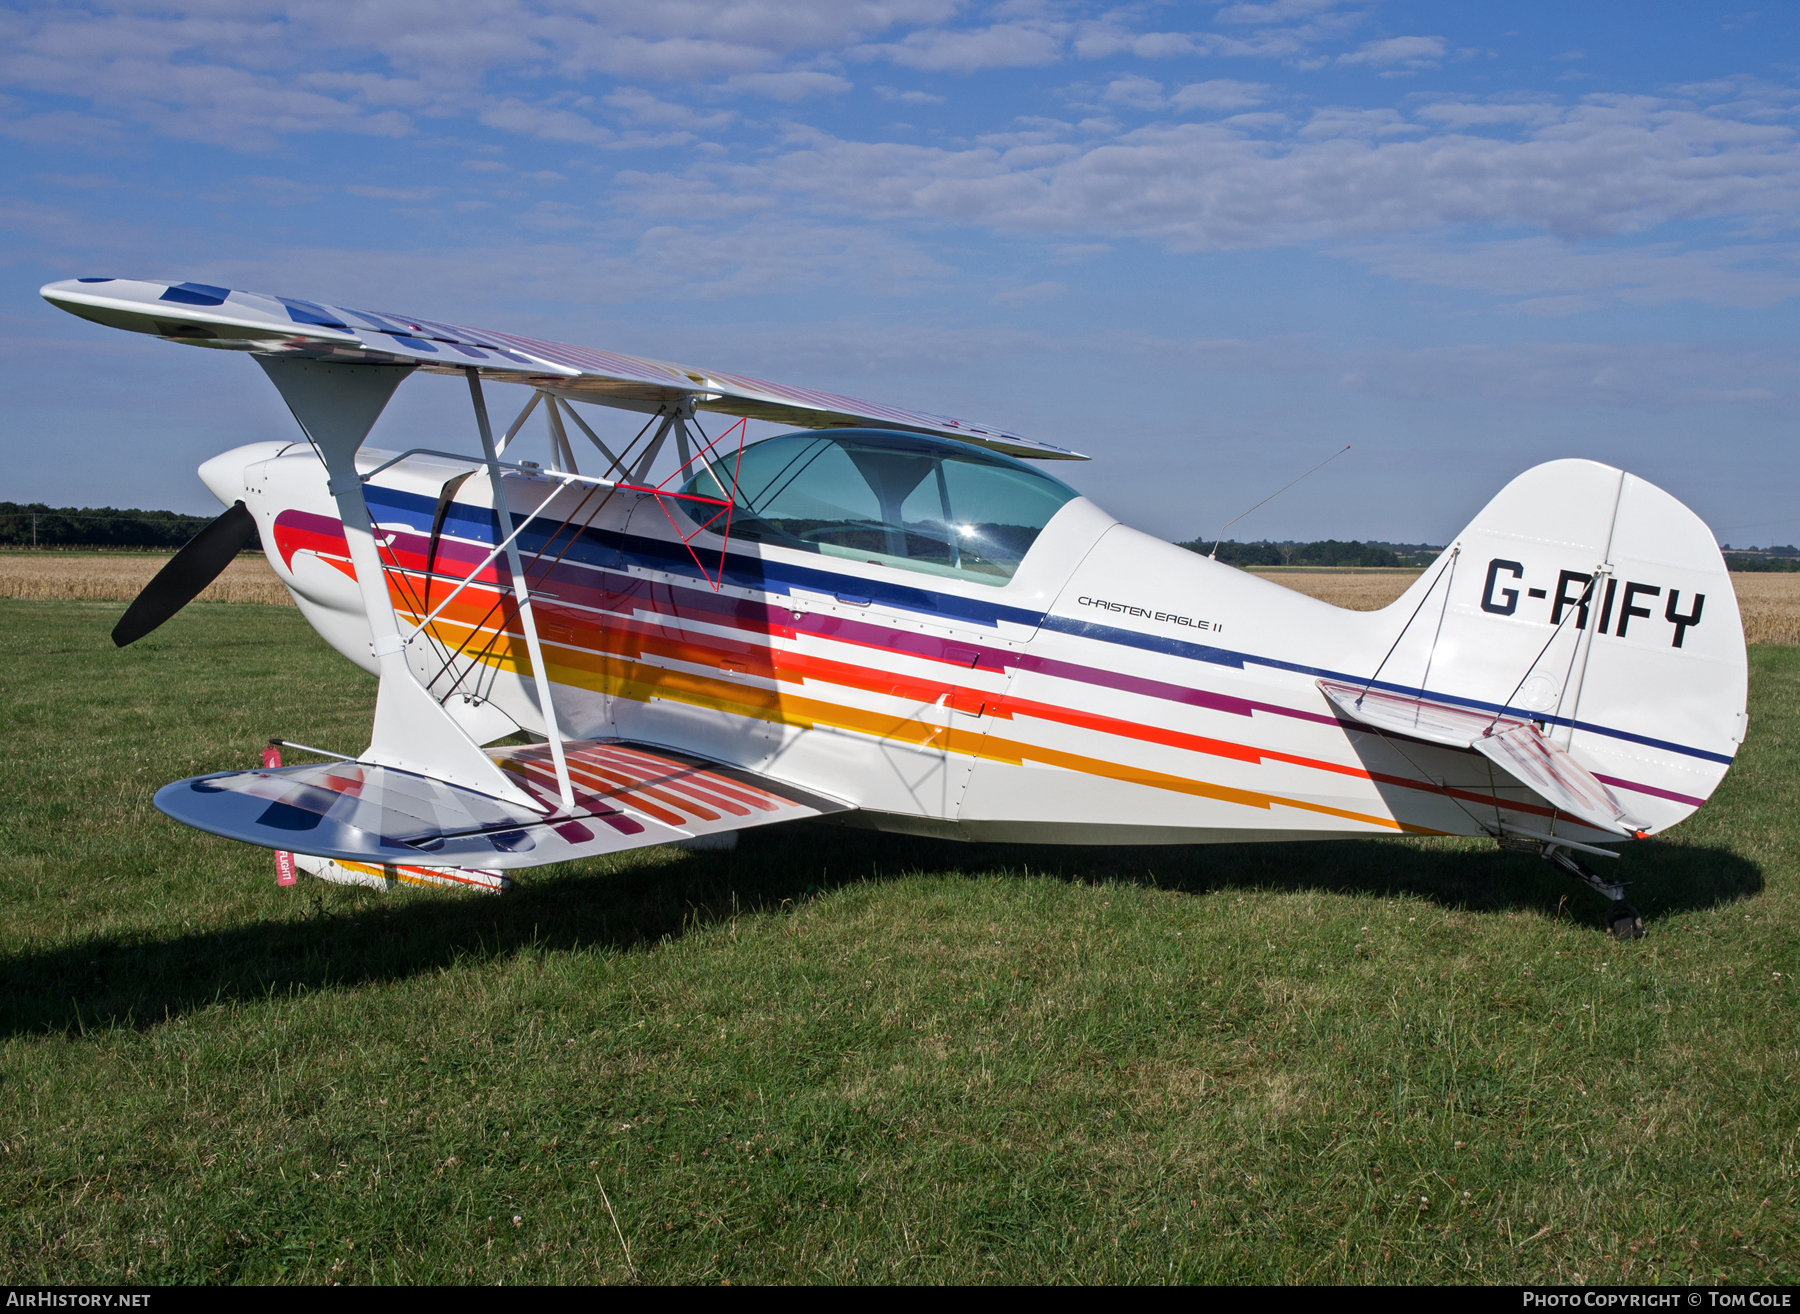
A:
(1589, 601)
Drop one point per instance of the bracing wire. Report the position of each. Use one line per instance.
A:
(1449, 560)
(1272, 496)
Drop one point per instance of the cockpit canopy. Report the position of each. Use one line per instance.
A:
(892, 499)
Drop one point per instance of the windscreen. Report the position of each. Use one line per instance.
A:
(890, 499)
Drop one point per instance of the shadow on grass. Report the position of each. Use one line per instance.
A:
(363, 938)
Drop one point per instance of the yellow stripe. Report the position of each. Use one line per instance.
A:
(586, 670)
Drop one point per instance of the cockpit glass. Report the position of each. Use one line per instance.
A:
(892, 499)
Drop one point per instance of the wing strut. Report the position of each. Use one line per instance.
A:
(521, 591)
(336, 406)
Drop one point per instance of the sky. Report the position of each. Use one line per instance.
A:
(1205, 244)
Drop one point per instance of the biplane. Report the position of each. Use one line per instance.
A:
(899, 619)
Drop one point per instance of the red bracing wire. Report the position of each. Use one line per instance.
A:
(725, 507)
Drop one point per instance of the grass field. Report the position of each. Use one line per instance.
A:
(838, 1056)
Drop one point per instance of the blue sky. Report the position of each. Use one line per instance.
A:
(1205, 244)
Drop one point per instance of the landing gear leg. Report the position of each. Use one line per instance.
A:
(1622, 920)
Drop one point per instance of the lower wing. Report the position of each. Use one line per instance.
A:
(627, 796)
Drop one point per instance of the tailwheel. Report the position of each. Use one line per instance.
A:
(1625, 922)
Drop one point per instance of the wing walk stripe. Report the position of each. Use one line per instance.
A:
(706, 792)
(756, 798)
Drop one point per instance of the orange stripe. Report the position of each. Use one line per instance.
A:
(586, 668)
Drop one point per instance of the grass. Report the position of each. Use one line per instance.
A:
(838, 1056)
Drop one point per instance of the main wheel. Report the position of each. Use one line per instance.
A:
(1625, 922)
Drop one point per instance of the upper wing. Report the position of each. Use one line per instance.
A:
(626, 797)
(201, 315)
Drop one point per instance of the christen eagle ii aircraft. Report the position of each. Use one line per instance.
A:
(897, 617)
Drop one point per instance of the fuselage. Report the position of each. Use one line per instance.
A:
(1115, 689)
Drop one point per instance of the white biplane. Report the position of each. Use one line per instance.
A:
(897, 617)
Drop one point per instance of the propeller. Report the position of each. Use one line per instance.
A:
(189, 571)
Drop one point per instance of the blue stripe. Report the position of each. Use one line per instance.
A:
(604, 549)
(1237, 660)
(607, 549)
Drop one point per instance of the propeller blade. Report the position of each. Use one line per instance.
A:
(189, 571)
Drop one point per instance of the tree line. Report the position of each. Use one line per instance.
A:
(1324, 552)
(36, 524)
(1762, 559)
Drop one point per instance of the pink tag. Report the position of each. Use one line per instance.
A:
(284, 861)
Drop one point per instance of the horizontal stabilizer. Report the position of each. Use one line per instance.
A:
(626, 797)
(1511, 742)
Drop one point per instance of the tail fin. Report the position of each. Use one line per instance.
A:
(1592, 603)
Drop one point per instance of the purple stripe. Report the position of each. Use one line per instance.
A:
(672, 602)
(1636, 788)
(1174, 693)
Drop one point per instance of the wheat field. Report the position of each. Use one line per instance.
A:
(1771, 607)
(1770, 603)
(120, 576)
(1358, 590)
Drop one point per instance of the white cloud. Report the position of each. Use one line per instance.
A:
(1609, 166)
(661, 262)
(1136, 91)
(909, 97)
(1075, 253)
(252, 72)
(646, 108)
(1109, 37)
(394, 193)
(788, 87)
(1036, 294)
(1464, 114)
(1357, 123)
(1220, 94)
(1641, 377)
(1280, 11)
(372, 88)
(247, 73)
(512, 115)
(65, 128)
(1104, 39)
(631, 141)
(1632, 376)
(1410, 51)
(965, 50)
(1554, 278)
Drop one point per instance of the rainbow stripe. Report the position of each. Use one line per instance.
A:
(610, 632)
